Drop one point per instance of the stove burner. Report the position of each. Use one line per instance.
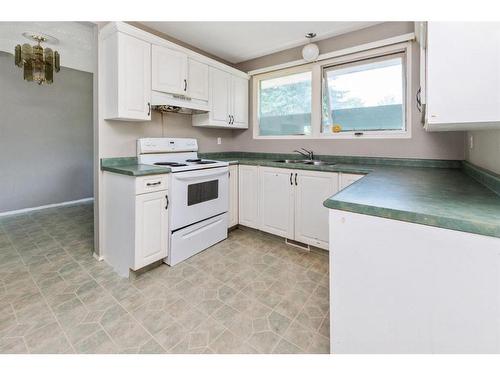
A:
(206, 162)
(193, 160)
(171, 164)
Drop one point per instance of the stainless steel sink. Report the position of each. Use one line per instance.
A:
(291, 161)
(308, 162)
(318, 162)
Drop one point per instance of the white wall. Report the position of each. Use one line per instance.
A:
(46, 131)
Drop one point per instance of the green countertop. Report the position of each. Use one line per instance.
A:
(439, 194)
(440, 197)
(136, 169)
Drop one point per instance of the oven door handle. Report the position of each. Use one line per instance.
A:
(198, 176)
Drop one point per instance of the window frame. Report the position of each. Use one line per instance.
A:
(317, 94)
(256, 100)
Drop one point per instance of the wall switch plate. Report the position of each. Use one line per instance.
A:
(219, 140)
(471, 142)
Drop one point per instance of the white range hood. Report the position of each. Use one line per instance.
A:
(174, 100)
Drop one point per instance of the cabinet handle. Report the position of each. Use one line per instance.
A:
(185, 85)
(149, 109)
(291, 175)
(153, 183)
(166, 207)
(295, 179)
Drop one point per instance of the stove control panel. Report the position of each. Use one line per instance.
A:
(160, 145)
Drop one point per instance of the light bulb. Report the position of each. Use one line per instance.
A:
(310, 52)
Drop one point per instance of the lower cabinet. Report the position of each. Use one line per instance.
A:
(311, 217)
(151, 233)
(135, 221)
(287, 202)
(248, 196)
(233, 196)
(276, 197)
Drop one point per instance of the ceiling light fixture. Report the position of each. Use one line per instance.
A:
(38, 63)
(310, 52)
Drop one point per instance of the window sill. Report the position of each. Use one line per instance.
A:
(393, 135)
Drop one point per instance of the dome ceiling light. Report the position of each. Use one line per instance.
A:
(310, 52)
(38, 63)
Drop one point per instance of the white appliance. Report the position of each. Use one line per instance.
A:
(198, 194)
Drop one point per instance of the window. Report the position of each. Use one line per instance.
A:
(360, 94)
(364, 96)
(284, 105)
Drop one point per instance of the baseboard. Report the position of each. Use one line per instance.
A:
(24, 210)
(97, 257)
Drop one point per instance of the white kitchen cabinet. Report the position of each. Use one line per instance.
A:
(311, 217)
(461, 81)
(151, 228)
(126, 66)
(138, 70)
(233, 196)
(220, 91)
(239, 97)
(289, 201)
(197, 81)
(346, 179)
(276, 201)
(169, 70)
(248, 195)
(135, 221)
(228, 102)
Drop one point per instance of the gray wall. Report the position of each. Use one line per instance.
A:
(45, 138)
(448, 145)
(486, 149)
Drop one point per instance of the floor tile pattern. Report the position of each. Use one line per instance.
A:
(248, 294)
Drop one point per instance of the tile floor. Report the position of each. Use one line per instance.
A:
(248, 294)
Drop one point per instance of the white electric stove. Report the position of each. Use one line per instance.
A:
(197, 191)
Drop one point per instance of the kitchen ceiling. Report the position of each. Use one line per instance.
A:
(240, 41)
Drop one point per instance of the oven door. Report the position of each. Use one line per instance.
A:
(198, 195)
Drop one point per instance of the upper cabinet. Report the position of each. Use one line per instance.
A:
(169, 70)
(460, 78)
(127, 71)
(138, 70)
(197, 81)
(178, 79)
(228, 102)
(239, 98)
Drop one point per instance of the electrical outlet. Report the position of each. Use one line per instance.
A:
(219, 140)
(471, 142)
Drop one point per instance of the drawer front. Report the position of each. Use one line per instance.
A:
(148, 184)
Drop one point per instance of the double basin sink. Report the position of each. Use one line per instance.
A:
(306, 162)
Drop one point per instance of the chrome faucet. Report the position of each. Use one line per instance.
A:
(307, 153)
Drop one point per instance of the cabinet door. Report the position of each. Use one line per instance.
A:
(347, 179)
(471, 52)
(220, 88)
(134, 79)
(233, 196)
(197, 83)
(248, 193)
(276, 202)
(169, 70)
(151, 228)
(239, 96)
(311, 217)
